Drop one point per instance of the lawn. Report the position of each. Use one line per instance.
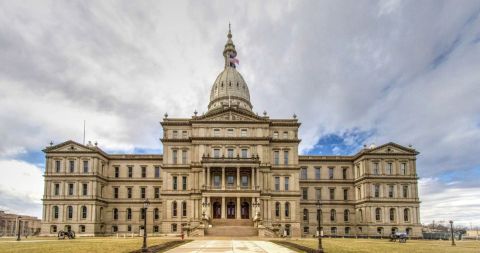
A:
(339, 245)
(53, 245)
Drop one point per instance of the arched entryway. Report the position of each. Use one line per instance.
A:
(217, 210)
(245, 210)
(231, 210)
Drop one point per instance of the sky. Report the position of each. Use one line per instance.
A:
(355, 73)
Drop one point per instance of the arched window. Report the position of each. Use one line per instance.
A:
(84, 212)
(174, 209)
(55, 212)
(378, 214)
(333, 215)
(305, 214)
(115, 214)
(129, 213)
(406, 214)
(392, 214)
(277, 209)
(346, 215)
(69, 212)
(184, 209)
(156, 214)
(287, 209)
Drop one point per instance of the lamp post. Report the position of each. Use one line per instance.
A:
(319, 218)
(146, 203)
(18, 231)
(451, 229)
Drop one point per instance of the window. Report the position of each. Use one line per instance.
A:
(129, 192)
(69, 212)
(216, 153)
(275, 135)
(277, 184)
(117, 172)
(305, 214)
(184, 134)
(142, 213)
(285, 135)
(277, 209)
(378, 214)
(216, 132)
(57, 166)
(332, 193)
(184, 209)
(243, 132)
(333, 230)
(317, 173)
(156, 214)
(129, 228)
(244, 153)
(143, 192)
(360, 213)
(276, 157)
(56, 189)
(304, 193)
(344, 173)
(287, 182)
(84, 212)
(287, 210)
(174, 186)
(157, 192)
(184, 157)
(84, 189)
(70, 189)
(333, 215)
(318, 193)
(230, 153)
(184, 183)
(303, 173)
(155, 229)
(230, 180)
(157, 171)
(144, 172)
(85, 166)
(244, 181)
(405, 191)
(285, 157)
(330, 173)
(53, 229)
(115, 193)
(174, 209)
(406, 214)
(174, 156)
(114, 229)
(377, 191)
(115, 214)
(346, 215)
(345, 194)
(347, 230)
(72, 166)
(305, 230)
(380, 230)
(389, 169)
(376, 170)
(390, 191)
(403, 168)
(129, 213)
(216, 181)
(319, 214)
(230, 132)
(175, 134)
(55, 212)
(174, 227)
(130, 171)
(392, 214)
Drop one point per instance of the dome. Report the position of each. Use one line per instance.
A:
(230, 89)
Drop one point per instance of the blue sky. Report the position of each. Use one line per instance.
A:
(355, 74)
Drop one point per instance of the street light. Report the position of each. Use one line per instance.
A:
(451, 229)
(146, 203)
(320, 247)
(18, 232)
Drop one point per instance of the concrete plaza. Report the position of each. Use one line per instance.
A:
(230, 246)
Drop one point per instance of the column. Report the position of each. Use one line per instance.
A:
(223, 208)
(223, 178)
(208, 178)
(238, 178)
(252, 178)
(258, 179)
(238, 208)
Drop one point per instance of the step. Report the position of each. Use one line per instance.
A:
(232, 222)
(232, 231)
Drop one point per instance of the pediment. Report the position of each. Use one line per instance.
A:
(392, 148)
(232, 115)
(69, 146)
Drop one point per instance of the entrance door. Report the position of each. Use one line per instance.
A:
(231, 210)
(217, 210)
(245, 210)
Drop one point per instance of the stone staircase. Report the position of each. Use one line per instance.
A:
(231, 228)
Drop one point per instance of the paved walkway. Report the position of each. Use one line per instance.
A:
(230, 246)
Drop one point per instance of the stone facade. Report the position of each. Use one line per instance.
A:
(230, 165)
(29, 225)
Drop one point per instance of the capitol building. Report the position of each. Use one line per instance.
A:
(230, 172)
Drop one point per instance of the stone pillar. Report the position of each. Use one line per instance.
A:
(238, 178)
(223, 208)
(223, 178)
(238, 214)
(208, 178)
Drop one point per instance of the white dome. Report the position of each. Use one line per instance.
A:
(230, 89)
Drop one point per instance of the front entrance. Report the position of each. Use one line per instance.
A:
(231, 210)
(245, 210)
(217, 210)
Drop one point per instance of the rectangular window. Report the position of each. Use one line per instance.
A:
(330, 173)
(317, 173)
(244, 181)
(184, 157)
(175, 134)
(403, 168)
(405, 191)
(305, 230)
(143, 192)
(376, 169)
(230, 153)
(304, 193)
(318, 193)
(184, 134)
(57, 166)
(285, 135)
(129, 192)
(56, 189)
(144, 172)
(85, 166)
(390, 191)
(285, 157)
(216, 132)
(157, 171)
(276, 157)
(377, 191)
(130, 171)
(174, 186)
(345, 194)
(84, 189)
(230, 132)
(184, 183)
(243, 132)
(70, 189)
(244, 153)
(275, 135)
(332, 193)
(216, 181)
(157, 192)
(344, 173)
(117, 172)
(72, 166)
(277, 184)
(287, 182)
(303, 173)
(216, 153)
(115, 193)
(230, 180)
(389, 168)
(174, 227)
(174, 153)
